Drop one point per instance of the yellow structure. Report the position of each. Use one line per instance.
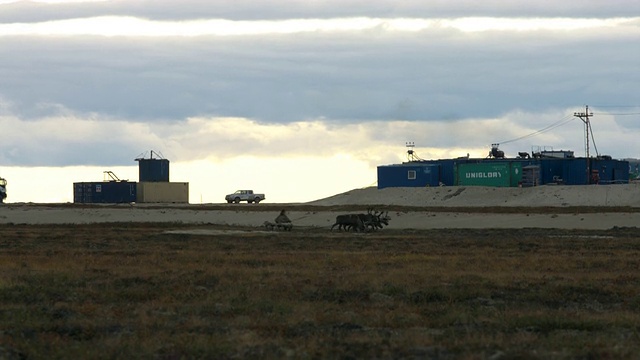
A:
(163, 192)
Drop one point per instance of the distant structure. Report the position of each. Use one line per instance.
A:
(495, 152)
(3, 189)
(542, 166)
(112, 190)
(153, 169)
(153, 185)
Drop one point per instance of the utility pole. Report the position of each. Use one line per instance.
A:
(584, 116)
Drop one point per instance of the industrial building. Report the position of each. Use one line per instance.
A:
(153, 186)
(540, 168)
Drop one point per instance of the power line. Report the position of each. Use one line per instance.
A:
(565, 120)
(616, 106)
(618, 114)
(593, 140)
(619, 107)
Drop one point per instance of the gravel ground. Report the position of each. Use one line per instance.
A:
(566, 207)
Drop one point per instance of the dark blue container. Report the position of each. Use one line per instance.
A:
(575, 171)
(608, 171)
(447, 171)
(413, 174)
(551, 171)
(153, 170)
(106, 192)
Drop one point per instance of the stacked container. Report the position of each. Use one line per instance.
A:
(154, 185)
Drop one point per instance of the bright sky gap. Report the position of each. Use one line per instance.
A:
(131, 26)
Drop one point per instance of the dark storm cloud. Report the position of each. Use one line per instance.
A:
(351, 76)
(26, 11)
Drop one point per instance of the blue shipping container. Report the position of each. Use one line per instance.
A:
(610, 171)
(575, 171)
(447, 171)
(106, 192)
(551, 171)
(564, 171)
(153, 170)
(408, 175)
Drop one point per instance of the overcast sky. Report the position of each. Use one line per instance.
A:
(97, 83)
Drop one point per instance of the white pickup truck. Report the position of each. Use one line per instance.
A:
(244, 195)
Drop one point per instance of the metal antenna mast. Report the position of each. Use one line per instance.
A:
(584, 116)
(410, 153)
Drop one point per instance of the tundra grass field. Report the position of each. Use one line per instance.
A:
(172, 291)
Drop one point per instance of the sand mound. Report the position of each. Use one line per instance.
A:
(477, 196)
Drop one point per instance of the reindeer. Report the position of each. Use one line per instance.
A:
(370, 221)
(385, 220)
(348, 222)
(376, 220)
(380, 221)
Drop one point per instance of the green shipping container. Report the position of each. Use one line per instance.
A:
(485, 174)
(515, 174)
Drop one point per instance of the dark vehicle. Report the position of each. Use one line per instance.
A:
(3, 189)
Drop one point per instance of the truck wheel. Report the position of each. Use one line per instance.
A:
(229, 201)
(236, 200)
(257, 200)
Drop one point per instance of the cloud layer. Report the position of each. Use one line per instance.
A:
(38, 11)
(96, 83)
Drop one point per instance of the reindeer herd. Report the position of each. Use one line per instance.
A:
(371, 221)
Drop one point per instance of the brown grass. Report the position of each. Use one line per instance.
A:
(137, 291)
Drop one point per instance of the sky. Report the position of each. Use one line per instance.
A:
(303, 99)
